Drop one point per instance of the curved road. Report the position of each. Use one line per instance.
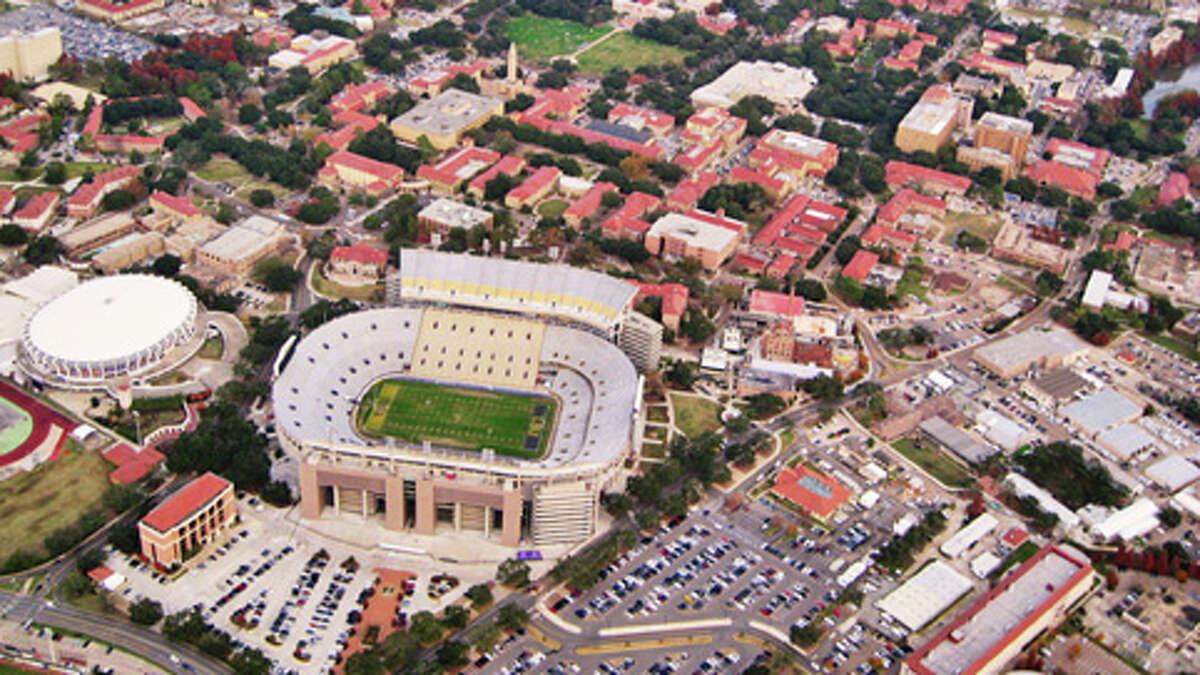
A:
(110, 629)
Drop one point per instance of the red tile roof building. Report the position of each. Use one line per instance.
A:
(433, 83)
(357, 172)
(878, 234)
(178, 208)
(906, 202)
(1176, 187)
(7, 199)
(776, 305)
(350, 125)
(132, 465)
(811, 490)
(793, 153)
(714, 123)
(626, 222)
(800, 226)
(127, 143)
(903, 174)
(540, 183)
(358, 96)
(37, 212)
(460, 166)
(642, 118)
(1079, 155)
(191, 110)
(195, 515)
(860, 265)
(774, 187)
(781, 265)
(116, 12)
(687, 193)
(360, 263)
(509, 165)
(674, 300)
(1076, 182)
(587, 205)
(86, 200)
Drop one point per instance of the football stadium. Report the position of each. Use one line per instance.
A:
(432, 420)
(109, 330)
(493, 397)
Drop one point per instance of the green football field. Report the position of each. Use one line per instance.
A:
(515, 425)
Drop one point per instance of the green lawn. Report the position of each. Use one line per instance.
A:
(540, 37)
(552, 208)
(695, 415)
(212, 348)
(219, 170)
(1174, 344)
(1024, 552)
(17, 429)
(935, 462)
(53, 495)
(516, 425)
(628, 52)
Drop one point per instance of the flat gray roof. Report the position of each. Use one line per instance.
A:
(1102, 410)
(1060, 383)
(955, 440)
(1025, 348)
(448, 112)
(925, 595)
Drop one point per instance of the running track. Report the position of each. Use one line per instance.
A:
(43, 418)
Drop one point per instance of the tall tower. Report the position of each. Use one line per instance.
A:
(512, 63)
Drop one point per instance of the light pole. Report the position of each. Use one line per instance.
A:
(137, 421)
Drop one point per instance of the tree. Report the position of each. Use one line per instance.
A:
(56, 174)
(452, 654)
(479, 595)
(513, 573)
(262, 198)
(1170, 517)
(277, 275)
(805, 636)
(226, 214)
(682, 374)
(823, 388)
(425, 627)
(90, 560)
(463, 82)
(145, 612)
(810, 289)
(118, 200)
(695, 326)
(512, 617)
(250, 662)
(43, 250)
(455, 617)
(13, 235)
(166, 265)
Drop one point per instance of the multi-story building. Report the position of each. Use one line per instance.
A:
(238, 249)
(118, 12)
(444, 215)
(539, 184)
(314, 54)
(1000, 141)
(86, 200)
(354, 171)
(28, 56)
(707, 238)
(357, 264)
(460, 166)
(179, 527)
(37, 212)
(792, 153)
(929, 124)
(783, 85)
(443, 119)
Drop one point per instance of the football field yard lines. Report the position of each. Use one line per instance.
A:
(512, 424)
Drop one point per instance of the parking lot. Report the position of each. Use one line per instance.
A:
(290, 596)
(83, 38)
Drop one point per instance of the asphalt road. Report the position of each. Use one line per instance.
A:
(110, 629)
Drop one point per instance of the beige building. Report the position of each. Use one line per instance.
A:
(1016, 242)
(28, 56)
(927, 126)
(238, 249)
(199, 513)
(99, 232)
(444, 118)
(118, 12)
(783, 85)
(706, 238)
(444, 215)
(130, 252)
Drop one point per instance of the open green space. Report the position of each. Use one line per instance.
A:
(628, 52)
(212, 348)
(1169, 342)
(51, 496)
(935, 462)
(694, 415)
(540, 37)
(219, 170)
(552, 208)
(516, 425)
(1024, 552)
(332, 289)
(15, 426)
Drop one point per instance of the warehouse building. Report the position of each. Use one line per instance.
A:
(925, 595)
(1046, 348)
(938, 430)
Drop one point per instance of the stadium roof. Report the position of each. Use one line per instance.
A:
(1101, 410)
(188, 500)
(925, 595)
(110, 318)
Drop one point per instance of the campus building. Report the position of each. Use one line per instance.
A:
(28, 56)
(199, 513)
(238, 249)
(117, 12)
(704, 237)
(781, 84)
(443, 119)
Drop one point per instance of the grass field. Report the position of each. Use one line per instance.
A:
(695, 415)
(17, 430)
(552, 208)
(330, 288)
(53, 495)
(1168, 342)
(515, 425)
(937, 463)
(628, 52)
(212, 348)
(540, 37)
(219, 170)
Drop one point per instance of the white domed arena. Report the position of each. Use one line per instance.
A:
(110, 328)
